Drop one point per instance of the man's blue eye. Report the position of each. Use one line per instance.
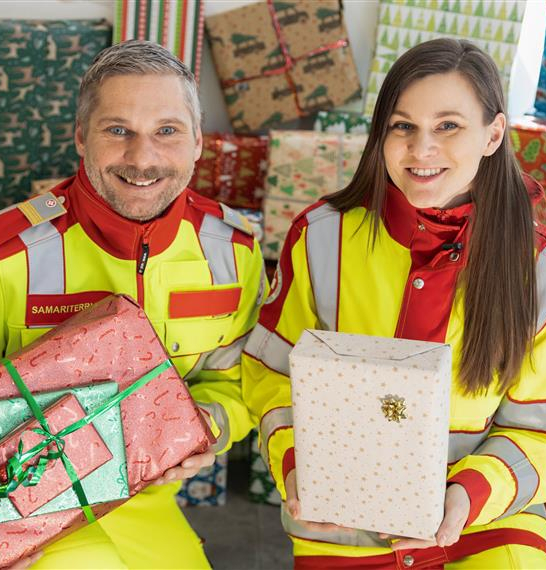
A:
(449, 126)
(118, 130)
(167, 130)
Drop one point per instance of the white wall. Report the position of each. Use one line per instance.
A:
(360, 16)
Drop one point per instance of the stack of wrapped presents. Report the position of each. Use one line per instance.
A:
(281, 65)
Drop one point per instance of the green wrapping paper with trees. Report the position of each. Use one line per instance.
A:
(278, 61)
(41, 66)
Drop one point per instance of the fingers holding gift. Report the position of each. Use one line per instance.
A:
(292, 506)
(188, 468)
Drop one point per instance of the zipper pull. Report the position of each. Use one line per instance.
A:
(143, 258)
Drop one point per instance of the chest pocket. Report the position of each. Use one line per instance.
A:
(200, 318)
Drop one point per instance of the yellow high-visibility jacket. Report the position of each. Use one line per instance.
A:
(196, 270)
(406, 287)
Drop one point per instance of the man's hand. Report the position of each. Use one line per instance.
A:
(292, 506)
(188, 468)
(191, 466)
(26, 562)
(456, 511)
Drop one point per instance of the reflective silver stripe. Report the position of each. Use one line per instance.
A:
(45, 259)
(541, 289)
(522, 470)
(270, 348)
(323, 257)
(539, 510)
(521, 415)
(463, 444)
(273, 420)
(225, 357)
(220, 416)
(215, 238)
(355, 538)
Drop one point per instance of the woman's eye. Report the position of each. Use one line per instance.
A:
(118, 131)
(167, 130)
(402, 127)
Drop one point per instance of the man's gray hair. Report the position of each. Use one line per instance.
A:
(135, 57)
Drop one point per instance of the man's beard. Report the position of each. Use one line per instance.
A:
(121, 205)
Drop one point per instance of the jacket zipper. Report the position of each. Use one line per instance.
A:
(142, 261)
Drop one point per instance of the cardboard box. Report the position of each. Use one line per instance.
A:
(111, 341)
(232, 169)
(371, 428)
(342, 122)
(281, 60)
(303, 167)
(97, 451)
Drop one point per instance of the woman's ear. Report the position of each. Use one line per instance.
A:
(496, 132)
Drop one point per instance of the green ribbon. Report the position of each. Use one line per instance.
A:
(18, 475)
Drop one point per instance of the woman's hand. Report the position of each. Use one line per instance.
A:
(26, 562)
(292, 506)
(456, 511)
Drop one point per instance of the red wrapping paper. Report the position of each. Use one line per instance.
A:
(113, 340)
(84, 448)
(232, 169)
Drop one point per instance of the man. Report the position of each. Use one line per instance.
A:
(127, 224)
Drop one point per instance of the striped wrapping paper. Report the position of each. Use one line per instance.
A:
(175, 24)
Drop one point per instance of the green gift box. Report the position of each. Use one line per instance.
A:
(342, 122)
(106, 483)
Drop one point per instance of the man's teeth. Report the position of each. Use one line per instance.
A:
(140, 182)
(425, 171)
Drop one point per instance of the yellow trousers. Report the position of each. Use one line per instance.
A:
(149, 532)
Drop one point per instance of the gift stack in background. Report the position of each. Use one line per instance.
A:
(287, 88)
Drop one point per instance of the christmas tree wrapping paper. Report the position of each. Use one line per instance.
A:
(278, 61)
(41, 66)
(540, 102)
(262, 487)
(177, 25)
(208, 487)
(493, 25)
(303, 167)
(97, 451)
(112, 341)
(528, 137)
(232, 169)
(342, 122)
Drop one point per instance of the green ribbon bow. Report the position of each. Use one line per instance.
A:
(17, 474)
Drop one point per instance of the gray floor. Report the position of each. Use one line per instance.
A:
(242, 535)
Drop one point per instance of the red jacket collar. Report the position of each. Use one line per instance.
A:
(402, 220)
(115, 234)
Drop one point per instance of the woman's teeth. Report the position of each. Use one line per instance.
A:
(425, 171)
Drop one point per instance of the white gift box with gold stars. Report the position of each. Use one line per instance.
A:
(371, 428)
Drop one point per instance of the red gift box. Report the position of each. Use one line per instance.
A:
(114, 341)
(84, 448)
(232, 169)
(528, 137)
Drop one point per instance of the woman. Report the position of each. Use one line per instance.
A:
(433, 239)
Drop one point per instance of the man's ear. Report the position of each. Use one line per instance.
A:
(198, 145)
(79, 139)
(496, 133)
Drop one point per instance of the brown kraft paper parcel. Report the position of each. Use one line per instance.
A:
(281, 60)
(111, 341)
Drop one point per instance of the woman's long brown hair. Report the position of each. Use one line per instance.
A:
(500, 297)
